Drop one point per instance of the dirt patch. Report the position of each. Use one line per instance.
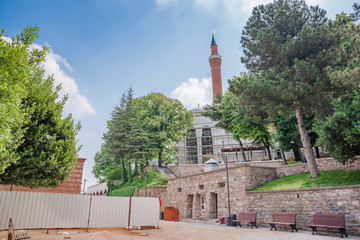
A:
(174, 231)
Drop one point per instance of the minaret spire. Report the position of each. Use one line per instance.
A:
(215, 64)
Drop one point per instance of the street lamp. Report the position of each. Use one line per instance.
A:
(228, 189)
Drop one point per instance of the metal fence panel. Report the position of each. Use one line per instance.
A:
(31, 210)
(144, 211)
(43, 210)
(109, 211)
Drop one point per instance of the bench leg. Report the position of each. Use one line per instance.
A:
(293, 227)
(342, 231)
(314, 230)
(253, 224)
(237, 224)
(272, 226)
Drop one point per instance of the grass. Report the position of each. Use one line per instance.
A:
(154, 178)
(326, 178)
(293, 162)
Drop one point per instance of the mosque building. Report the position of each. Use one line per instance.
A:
(208, 141)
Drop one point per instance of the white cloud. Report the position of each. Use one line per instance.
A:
(77, 104)
(194, 92)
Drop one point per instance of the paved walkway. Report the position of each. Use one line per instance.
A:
(179, 231)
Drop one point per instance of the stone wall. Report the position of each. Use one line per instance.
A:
(186, 193)
(258, 175)
(150, 191)
(195, 195)
(307, 201)
(191, 169)
(71, 186)
(323, 164)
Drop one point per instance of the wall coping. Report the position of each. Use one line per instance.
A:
(304, 189)
(238, 165)
(151, 187)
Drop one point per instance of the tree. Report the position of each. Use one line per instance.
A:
(340, 133)
(103, 162)
(235, 119)
(356, 8)
(290, 51)
(164, 120)
(47, 148)
(17, 63)
(125, 141)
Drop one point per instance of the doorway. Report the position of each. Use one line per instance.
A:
(189, 207)
(213, 208)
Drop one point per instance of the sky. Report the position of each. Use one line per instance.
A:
(101, 48)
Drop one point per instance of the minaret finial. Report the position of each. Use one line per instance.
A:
(213, 43)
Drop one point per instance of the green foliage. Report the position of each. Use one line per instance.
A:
(298, 61)
(114, 174)
(126, 149)
(164, 120)
(356, 8)
(340, 133)
(154, 178)
(46, 149)
(157, 179)
(103, 163)
(287, 132)
(235, 119)
(17, 65)
(326, 178)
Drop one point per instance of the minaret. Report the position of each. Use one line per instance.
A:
(215, 64)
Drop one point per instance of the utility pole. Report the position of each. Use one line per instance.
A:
(228, 189)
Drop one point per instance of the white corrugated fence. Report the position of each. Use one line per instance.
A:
(30, 210)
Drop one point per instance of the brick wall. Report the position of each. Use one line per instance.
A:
(71, 186)
(306, 202)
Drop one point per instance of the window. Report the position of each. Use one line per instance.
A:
(201, 186)
(221, 184)
(179, 189)
(202, 203)
(191, 148)
(206, 141)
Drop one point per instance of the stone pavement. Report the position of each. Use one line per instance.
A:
(178, 231)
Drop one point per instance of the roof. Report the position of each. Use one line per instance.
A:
(213, 43)
(197, 109)
(211, 161)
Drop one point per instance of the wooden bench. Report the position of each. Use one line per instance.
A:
(336, 221)
(288, 219)
(12, 235)
(247, 217)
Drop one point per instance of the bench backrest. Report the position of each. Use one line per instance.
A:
(284, 217)
(335, 220)
(247, 216)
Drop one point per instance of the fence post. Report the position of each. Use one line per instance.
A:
(89, 214)
(129, 214)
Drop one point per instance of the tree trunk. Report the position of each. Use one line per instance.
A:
(297, 154)
(267, 146)
(317, 152)
(123, 172)
(242, 150)
(283, 156)
(159, 158)
(314, 171)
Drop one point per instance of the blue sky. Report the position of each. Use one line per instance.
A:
(99, 48)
